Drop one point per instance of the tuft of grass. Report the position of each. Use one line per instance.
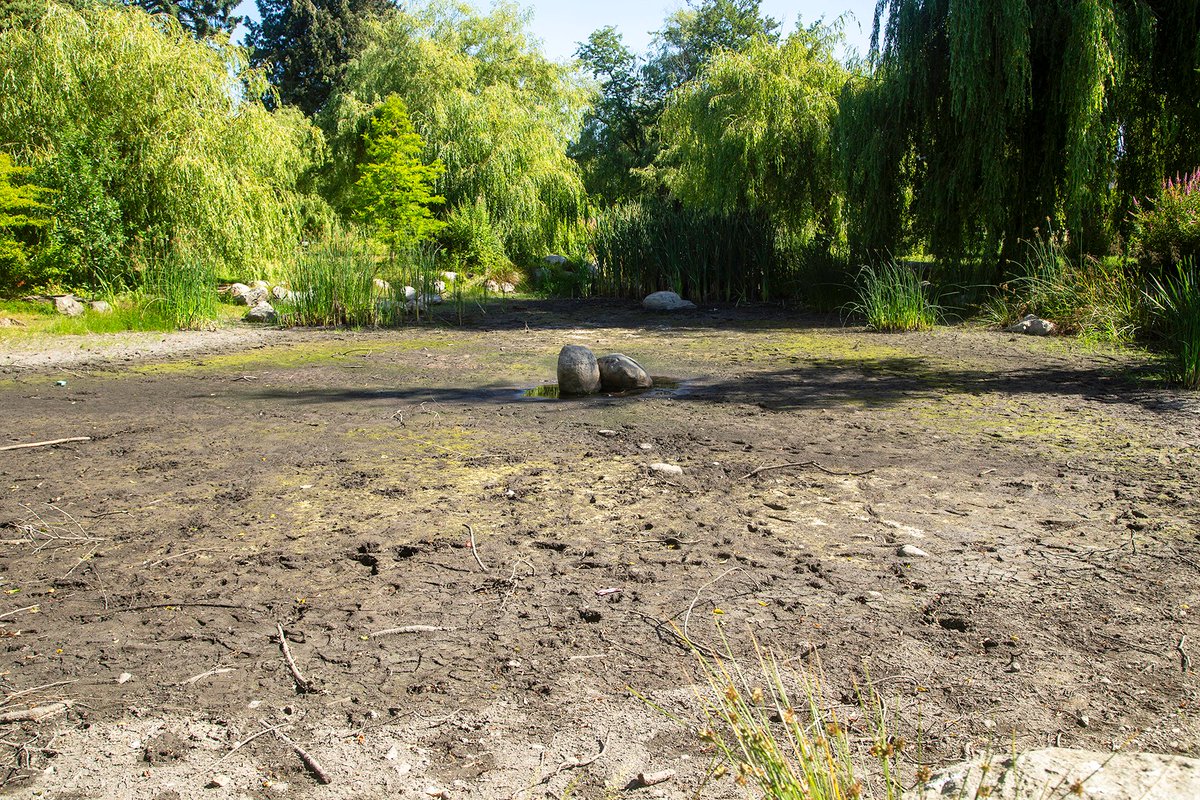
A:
(181, 290)
(333, 283)
(1175, 305)
(787, 745)
(894, 298)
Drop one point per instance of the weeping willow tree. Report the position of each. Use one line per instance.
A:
(754, 131)
(1006, 116)
(489, 106)
(147, 136)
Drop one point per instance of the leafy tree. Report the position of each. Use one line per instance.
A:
(21, 209)
(129, 116)
(754, 131)
(304, 45)
(204, 18)
(395, 190)
(488, 104)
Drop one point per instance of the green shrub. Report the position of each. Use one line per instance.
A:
(1175, 304)
(894, 298)
(1167, 228)
(471, 241)
(181, 287)
(21, 210)
(333, 283)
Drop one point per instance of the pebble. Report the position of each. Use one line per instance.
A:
(124, 677)
(911, 551)
(220, 782)
(666, 469)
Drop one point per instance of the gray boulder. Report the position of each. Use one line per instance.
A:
(1053, 772)
(578, 372)
(1031, 325)
(67, 304)
(666, 301)
(261, 311)
(281, 293)
(260, 284)
(555, 260)
(100, 307)
(619, 372)
(248, 295)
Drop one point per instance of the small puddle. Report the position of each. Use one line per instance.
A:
(663, 387)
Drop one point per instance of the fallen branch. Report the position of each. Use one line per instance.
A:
(474, 550)
(309, 760)
(47, 443)
(35, 714)
(209, 674)
(409, 629)
(1185, 661)
(301, 683)
(801, 464)
(33, 689)
(248, 740)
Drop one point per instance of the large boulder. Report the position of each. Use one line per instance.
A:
(248, 295)
(1056, 771)
(67, 304)
(578, 372)
(619, 373)
(666, 301)
(262, 311)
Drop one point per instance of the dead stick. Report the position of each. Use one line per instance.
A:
(301, 683)
(474, 550)
(46, 444)
(688, 616)
(209, 674)
(813, 464)
(35, 714)
(248, 740)
(574, 763)
(409, 629)
(1185, 661)
(309, 760)
(31, 690)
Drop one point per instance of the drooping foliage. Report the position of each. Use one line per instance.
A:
(144, 136)
(1008, 114)
(304, 45)
(21, 209)
(488, 105)
(394, 191)
(754, 131)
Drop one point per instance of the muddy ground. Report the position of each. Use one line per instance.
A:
(331, 483)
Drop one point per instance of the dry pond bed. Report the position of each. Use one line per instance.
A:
(470, 581)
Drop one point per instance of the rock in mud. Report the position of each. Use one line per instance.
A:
(67, 304)
(911, 551)
(1054, 770)
(261, 312)
(619, 372)
(666, 469)
(1031, 325)
(666, 301)
(578, 372)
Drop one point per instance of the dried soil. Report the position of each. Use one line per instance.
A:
(344, 484)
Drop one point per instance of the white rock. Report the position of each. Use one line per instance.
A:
(100, 307)
(1033, 326)
(555, 260)
(124, 677)
(507, 288)
(262, 311)
(220, 782)
(1052, 771)
(260, 284)
(911, 551)
(439, 286)
(666, 469)
(666, 301)
(381, 285)
(410, 293)
(67, 304)
(450, 277)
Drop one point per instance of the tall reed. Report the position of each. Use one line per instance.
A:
(181, 288)
(333, 283)
(1175, 304)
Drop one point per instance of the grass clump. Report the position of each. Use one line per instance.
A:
(894, 298)
(1174, 301)
(181, 290)
(792, 748)
(333, 283)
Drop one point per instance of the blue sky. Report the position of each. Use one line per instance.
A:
(562, 25)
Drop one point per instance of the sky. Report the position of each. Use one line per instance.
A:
(562, 25)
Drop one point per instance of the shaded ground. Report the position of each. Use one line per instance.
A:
(325, 482)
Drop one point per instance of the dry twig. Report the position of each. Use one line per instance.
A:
(409, 629)
(302, 683)
(250, 739)
(309, 760)
(474, 550)
(35, 714)
(47, 443)
(814, 464)
(688, 616)
(209, 674)
(1185, 661)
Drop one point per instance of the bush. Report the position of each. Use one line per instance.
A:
(1175, 304)
(472, 242)
(894, 298)
(1167, 228)
(333, 283)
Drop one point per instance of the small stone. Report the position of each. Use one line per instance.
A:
(606, 433)
(911, 551)
(434, 791)
(381, 285)
(262, 311)
(555, 260)
(645, 446)
(68, 305)
(124, 677)
(100, 307)
(666, 469)
(281, 293)
(219, 782)
(1031, 325)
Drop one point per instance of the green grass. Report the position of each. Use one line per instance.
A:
(894, 298)
(1175, 305)
(333, 284)
(130, 313)
(182, 290)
